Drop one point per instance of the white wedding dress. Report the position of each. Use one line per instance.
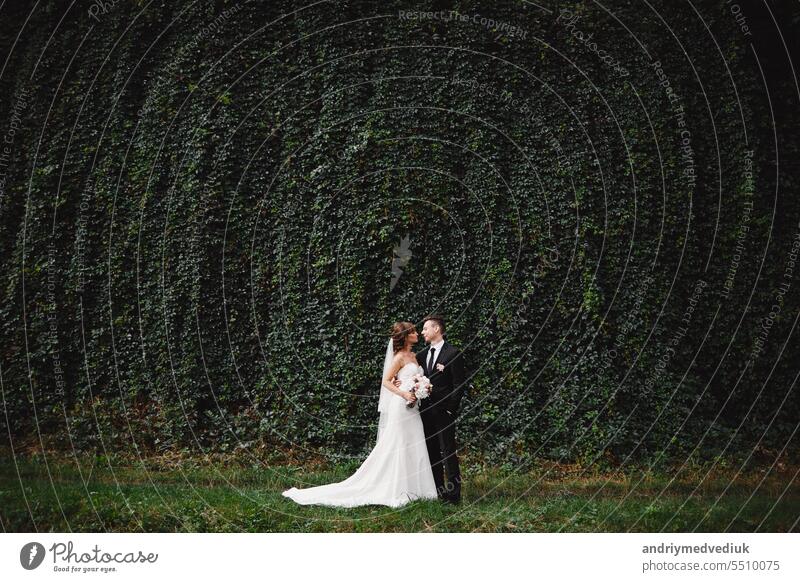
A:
(397, 470)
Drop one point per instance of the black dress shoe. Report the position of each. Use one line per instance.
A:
(452, 500)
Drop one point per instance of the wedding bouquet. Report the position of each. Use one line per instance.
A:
(421, 388)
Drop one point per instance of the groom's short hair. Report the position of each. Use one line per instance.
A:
(437, 319)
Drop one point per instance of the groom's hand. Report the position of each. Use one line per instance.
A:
(396, 383)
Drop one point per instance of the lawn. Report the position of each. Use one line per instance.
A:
(93, 493)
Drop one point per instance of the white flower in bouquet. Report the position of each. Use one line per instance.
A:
(421, 388)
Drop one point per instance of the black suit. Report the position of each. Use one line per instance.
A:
(439, 412)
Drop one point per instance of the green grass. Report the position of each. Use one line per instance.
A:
(168, 494)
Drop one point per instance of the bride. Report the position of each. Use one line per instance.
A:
(398, 469)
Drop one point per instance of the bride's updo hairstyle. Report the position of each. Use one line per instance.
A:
(400, 331)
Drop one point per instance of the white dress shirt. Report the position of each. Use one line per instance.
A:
(438, 347)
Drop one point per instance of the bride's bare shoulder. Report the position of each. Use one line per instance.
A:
(403, 358)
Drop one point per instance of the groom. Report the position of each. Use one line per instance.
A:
(444, 366)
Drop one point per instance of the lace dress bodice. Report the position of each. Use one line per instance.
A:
(406, 374)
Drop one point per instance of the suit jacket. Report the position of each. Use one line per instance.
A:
(449, 384)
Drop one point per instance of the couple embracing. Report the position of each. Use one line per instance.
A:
(416, 441)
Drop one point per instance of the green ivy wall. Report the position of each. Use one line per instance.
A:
(201, 202)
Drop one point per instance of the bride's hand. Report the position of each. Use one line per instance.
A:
(410, 396)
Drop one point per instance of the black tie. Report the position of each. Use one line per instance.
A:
(430, 366)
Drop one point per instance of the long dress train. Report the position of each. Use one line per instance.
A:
(396, 471)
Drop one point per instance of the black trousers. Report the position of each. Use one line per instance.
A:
(440, 437)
